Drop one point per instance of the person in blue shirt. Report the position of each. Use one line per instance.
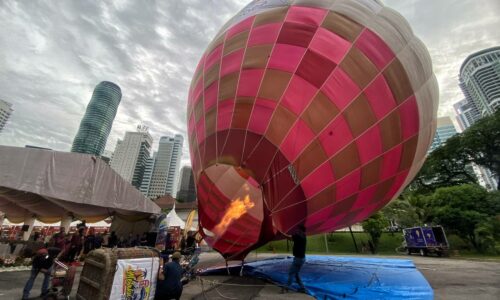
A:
(169, 285)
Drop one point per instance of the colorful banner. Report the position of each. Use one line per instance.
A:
(161, 226)
(189, 222)
(135, 279)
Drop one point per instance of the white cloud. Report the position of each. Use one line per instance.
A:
(452, 30)
(52, 54)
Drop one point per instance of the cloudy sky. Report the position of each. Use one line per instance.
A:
(53, 53)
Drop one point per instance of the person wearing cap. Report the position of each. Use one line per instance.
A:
(169, 284)
(42, 263)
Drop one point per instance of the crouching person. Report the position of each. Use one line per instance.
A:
(42, 263)
(169, 285)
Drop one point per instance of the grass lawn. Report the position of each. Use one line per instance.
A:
(339, 242)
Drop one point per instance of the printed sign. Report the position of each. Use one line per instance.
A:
(414, 237)
(429, 236)
(162, 226)
(135, 279)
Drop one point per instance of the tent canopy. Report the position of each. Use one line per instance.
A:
(167, 202)
(173, 219)
(72, 224)
(51, 185)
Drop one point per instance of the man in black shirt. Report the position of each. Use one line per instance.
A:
(42, 263)
(299, 256)
(169, 284)
(113, 240)
(190, 243)
(89, 242)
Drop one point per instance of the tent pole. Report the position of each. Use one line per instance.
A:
(30, 221)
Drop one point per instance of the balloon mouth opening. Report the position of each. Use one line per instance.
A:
(234, 201)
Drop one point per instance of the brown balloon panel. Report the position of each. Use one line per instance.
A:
(317, 113)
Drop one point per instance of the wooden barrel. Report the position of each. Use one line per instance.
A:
(96, 279)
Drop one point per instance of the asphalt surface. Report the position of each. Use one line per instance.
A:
(450, 279)
(461, 279)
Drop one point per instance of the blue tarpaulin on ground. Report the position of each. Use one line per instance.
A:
(331, 277)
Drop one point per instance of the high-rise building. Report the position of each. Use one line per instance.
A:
(467, 114)
(131, 155)
(148, 173)
(187, 189)
(5, 112)
(98, 119)
(445, 129)
(165, 170)
(480, 82)
(175, 165)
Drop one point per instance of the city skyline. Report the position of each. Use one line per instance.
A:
(152, 58)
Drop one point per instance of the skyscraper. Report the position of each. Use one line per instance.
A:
(445, 129)
(165, 169)
(98, 119)
(148, 173)
(187, 189)
(480, 82)
(466, 114)
(131, 155)
(5, 112)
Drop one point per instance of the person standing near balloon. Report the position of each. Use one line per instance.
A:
(299, 258)
(169, 284)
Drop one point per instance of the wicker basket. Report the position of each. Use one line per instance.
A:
(97, 276)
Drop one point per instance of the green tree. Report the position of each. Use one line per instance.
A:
(402, 212)
(481, 142)
(487, 235)
(447, 165)
(375, 225)
(462, 209)
(451, 164)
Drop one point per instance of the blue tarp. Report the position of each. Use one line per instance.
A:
(331, 277)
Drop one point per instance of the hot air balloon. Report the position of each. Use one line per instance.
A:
(311, 112)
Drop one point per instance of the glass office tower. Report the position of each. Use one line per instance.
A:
(96, 124)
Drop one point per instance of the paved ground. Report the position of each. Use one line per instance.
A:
(450, 278)
(461, 279)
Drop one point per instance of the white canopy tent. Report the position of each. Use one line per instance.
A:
(173, 219)
(55, 186)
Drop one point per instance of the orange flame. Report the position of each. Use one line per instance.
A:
(237, 209)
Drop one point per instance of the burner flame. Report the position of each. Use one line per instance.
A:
(235, 211)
